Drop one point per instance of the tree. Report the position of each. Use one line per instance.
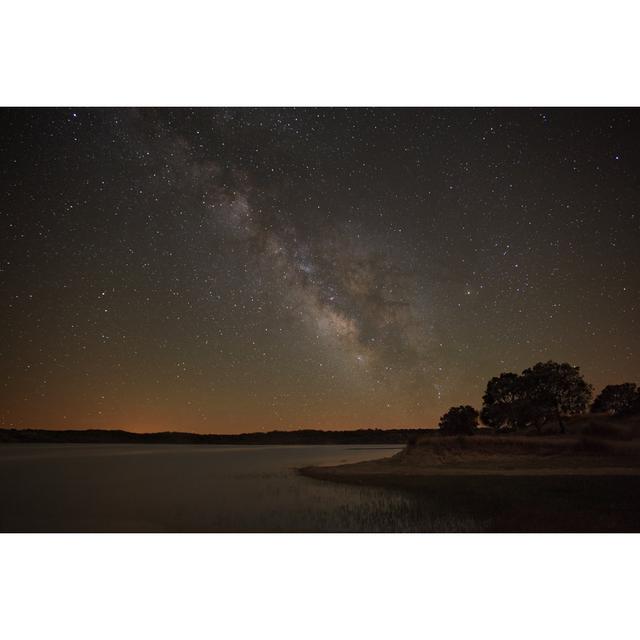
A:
(618, 399)
(461, 420)
(634, 409)
(556, 390)
(503, 401)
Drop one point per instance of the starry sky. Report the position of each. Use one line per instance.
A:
(227, 270)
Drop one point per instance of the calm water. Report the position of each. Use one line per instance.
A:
(73, 487)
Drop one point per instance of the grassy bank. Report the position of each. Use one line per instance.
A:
(586, 480)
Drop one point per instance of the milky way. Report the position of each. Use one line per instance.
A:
(244, 269)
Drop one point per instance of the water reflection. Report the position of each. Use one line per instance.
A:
(176, 488)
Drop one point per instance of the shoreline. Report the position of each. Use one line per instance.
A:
(552, 499)
(374, 472)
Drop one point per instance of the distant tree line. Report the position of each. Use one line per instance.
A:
(295, 437)
(547, 392)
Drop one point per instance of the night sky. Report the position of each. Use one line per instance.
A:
(224, 270)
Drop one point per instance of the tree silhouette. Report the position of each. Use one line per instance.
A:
(504, 401)
(556, 390)
(461, 420)
(548, 390)
(618, 399)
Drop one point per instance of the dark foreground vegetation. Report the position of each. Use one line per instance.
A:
(524, 504)
(302, 436)
(546, 394)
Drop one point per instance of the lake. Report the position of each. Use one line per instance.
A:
(185, 488)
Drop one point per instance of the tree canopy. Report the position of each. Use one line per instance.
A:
(548, 390)
(461, 420)
(618, 399)
(504, 402)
